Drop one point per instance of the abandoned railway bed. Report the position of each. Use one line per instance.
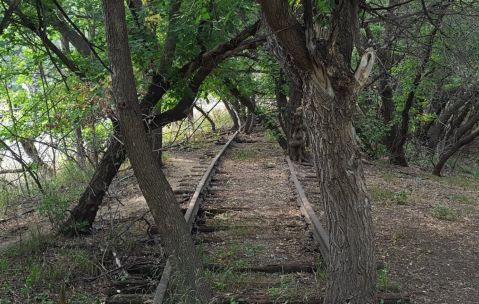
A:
(260, 239)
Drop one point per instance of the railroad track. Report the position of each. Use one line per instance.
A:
(261, 241)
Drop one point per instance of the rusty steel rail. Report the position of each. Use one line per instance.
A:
(319, 234)
(190, 214)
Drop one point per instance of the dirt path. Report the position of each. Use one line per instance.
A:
(266, 251)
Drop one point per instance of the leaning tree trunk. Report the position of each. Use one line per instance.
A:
(443, 159)
(83, 214)
(157, 144)
(174, 231)
(205, 115)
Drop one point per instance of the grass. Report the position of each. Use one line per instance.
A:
(36, 268)
(449, 214)
(384, 284)
(242, 154)
(248, 155)
(465, 182)
(389, 196)
(462, 198)
(9, 198)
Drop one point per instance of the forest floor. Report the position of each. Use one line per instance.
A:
(426, 231)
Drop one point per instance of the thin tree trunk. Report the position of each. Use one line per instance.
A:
(267, 121)
(294, 114)
(442, 161)
(232, 114)
(159, 196)
(249, 124)
(81, 155)
(212, 123)
(32, 152)
(83, 214)
(281, 103)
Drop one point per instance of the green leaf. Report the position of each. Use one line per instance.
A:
(205, 14)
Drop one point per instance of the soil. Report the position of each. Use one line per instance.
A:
(426, 228)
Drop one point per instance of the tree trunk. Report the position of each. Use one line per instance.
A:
(80, 150)
(157, 144)
(294, 124)
(250, 118)
(232, 114)
(352, 268)
(330, 88)
(205, 115)
(393, 138)
(83, 214)
(281, 104)
(266, 120)
(159, 196)
(32, 152)
(442, 161)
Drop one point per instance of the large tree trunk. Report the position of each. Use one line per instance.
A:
(351, 271)
(157, 144)
(159, 196)
(330, 88)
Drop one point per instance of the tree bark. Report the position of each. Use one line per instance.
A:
(330, 88)
(294, 123)
(250, 118)
(157, 144)
(80, 149)
(159, 196)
